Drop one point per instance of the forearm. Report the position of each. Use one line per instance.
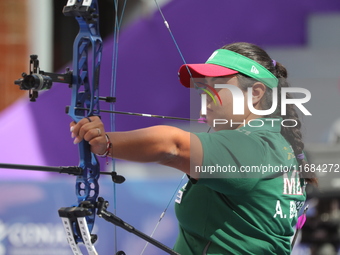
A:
(160, 144)
(164, 145)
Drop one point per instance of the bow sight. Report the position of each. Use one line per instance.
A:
(38, 80)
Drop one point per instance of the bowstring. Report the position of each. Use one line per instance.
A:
(197, 88)
(163, 213)
(116, 31)
(175, 42)
(118, 22)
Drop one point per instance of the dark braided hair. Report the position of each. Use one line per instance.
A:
(291, 134)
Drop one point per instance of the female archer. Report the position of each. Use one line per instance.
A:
(246, 181)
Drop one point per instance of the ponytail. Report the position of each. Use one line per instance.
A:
(292, 133)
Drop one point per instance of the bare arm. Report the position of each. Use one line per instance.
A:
(164, 145)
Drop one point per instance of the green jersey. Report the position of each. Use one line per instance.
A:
(248, 195)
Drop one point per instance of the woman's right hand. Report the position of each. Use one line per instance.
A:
(90, 129)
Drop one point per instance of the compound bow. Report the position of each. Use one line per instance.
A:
(78, 220)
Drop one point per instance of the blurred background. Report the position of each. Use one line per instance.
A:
(302, 35)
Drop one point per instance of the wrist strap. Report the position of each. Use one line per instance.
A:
(108, 148)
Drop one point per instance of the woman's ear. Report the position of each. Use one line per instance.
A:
(258, 91)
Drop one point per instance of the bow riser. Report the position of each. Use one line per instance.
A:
(85, 93)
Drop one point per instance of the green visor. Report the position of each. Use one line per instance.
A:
(225, 62)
